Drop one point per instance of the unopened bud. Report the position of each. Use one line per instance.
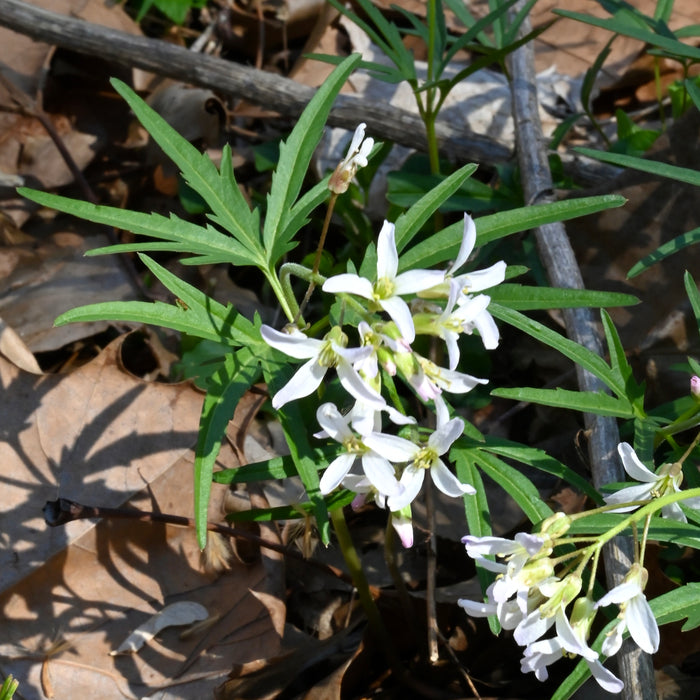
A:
(695, 386)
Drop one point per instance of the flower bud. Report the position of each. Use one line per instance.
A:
(695, 387)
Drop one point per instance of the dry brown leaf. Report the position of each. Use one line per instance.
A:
(103, 436)
(14, 349)
(42, 281)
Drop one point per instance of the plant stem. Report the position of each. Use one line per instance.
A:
(352, 561)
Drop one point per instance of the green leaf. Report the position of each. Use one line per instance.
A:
(218, 189)
(664, 251)
(275, 468)
(444, 245)
(411, 221)
(693, 295)
(303, 455)
(517, 485)
(587, 401)
(295, 156)
(196, 314)
(622, 23)
(524, 298)
(692, 177)
(539, 459)
(178, 235)
(225, 389)
(582, 356)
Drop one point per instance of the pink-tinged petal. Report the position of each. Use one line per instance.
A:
(380, 473)
(294, 344)
(411, 481)
(607, 680)
(336, 472)
(441, 440)
(488, 330)
(349, 283)
(304, 382)
(633, 465)
(391, 447)
(417, 281)
(404, 529)
(447, 482)
(353, 383)
(400, 314)
(468, 243)
(642, 625)
(333, 422)
(387, 257)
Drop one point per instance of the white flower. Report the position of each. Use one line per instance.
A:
(420, 459)
(570, 640)
(510, 613)
(526, 561)
(322, 354)
(376, 468)
(477, 280)
(386, 291)
(635, 614)
(356, 157)
(668, 480)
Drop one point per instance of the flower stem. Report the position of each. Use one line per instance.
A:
(352, 561)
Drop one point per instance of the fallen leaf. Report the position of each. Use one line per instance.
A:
(175, 615)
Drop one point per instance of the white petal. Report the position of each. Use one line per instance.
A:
(488, 330)
(607, 680)
(641, 624)
(476, 609)
(640, 492)
(387, 257)
(333, 422)
(411, 481)
(468, 242)
(414, 281)
(350, 284)
(441, 440)
(293, 344)
(620, 594)
(357, 139)
(479, 280)
(447, 482)
(489, 545)
(673, 512)
(304, 382)
(613, 640)
(336, 472)
(570, 641)
(531, 628)
(400, 314)
(380, 473)
(353, 383)
(451, 341)
(441, 411)
(391, 447)
(633, 465)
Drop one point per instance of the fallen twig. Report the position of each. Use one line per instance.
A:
(635, 667)
(259, 87)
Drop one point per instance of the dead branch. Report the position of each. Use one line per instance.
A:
(635, 667)
(259, 87)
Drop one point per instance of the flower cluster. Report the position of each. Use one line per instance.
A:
(396, 307)
(533, 589)
(531, 598)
